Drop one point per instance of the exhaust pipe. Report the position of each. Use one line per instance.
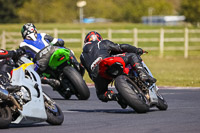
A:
(4, 94)
(15, 102)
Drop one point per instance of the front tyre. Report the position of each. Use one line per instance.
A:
(5, 117)
(162, 104)
(132, 94)
(54, 113)
(81, 89)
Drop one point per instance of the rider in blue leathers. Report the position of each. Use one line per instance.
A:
(34, 42)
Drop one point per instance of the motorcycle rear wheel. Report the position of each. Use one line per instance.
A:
(81, 89)
(132, 94)
(5, 117)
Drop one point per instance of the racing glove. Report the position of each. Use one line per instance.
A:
(19, 52)
(141, 51)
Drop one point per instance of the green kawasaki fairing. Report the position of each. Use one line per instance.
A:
(59, 57)
(71, 81)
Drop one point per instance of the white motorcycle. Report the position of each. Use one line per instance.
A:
(29, 104)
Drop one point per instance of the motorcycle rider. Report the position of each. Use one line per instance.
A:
(34, 42)
(6, 67)
(96, 49)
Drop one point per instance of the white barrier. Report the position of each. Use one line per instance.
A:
(12, 39)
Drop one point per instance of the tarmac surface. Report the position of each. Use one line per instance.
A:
(94, 116)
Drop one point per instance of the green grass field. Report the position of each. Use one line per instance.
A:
(171, 70)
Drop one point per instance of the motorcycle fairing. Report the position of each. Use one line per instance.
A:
(59, 57)
(34, 110)
(152, 89)
(111, 67)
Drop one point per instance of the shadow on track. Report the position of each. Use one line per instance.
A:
(62, 99)
(105, 110)
(28, 125)
(117, 111)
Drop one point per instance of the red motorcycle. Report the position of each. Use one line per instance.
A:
(137, 94)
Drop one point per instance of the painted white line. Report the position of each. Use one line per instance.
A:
(161, 87)
(178, 88)
(90, 85)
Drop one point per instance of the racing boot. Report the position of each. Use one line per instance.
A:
(111, 96)
(108, 96)
(79, 67)
(54, 83)
(144, 76)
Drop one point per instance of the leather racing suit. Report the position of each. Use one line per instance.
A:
(43, 40)
(95, 51)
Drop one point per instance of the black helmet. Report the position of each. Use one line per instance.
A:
(29, 31)
(93, 36)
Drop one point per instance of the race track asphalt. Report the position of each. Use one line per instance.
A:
(94, 116)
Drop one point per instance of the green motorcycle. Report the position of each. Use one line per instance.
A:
(55, 62)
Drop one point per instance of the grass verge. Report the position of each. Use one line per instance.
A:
(172, 70)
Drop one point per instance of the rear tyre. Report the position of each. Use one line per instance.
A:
(75, 78)
(162, 104)
(5, 117)
(132, 94)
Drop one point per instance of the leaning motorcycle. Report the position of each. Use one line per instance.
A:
(139, 95)
(28, 104)
(60, 67)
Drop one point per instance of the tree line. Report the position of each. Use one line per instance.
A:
(43, 11)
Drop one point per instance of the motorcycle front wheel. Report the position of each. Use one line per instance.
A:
(5, 117)
(132, 94)
(54, 113)
(162, 104)
(75, 78)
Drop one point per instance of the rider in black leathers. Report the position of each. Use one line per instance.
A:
(6, 66)
(96, 49)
